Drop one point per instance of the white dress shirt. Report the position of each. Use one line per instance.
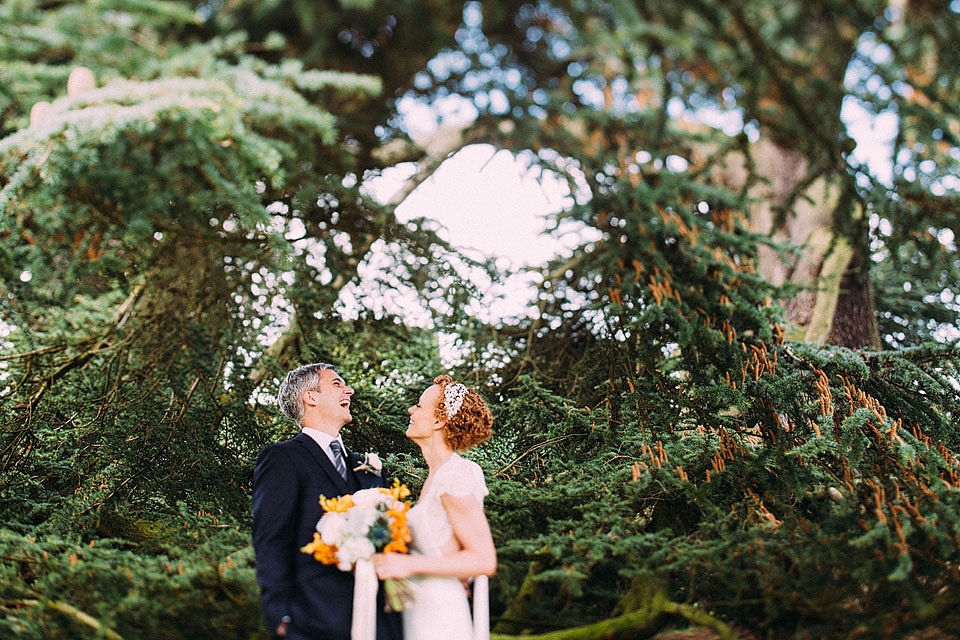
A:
(324, 440)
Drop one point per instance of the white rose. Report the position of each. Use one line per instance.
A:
(354, 549)
(373, 461)
(359, 521)
(366, 498)
(331, 528)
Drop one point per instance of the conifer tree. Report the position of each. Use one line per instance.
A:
(734, 410)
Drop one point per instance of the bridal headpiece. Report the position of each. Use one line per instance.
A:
(453, 395)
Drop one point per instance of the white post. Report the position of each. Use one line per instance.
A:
(364, 623)
(481, 608)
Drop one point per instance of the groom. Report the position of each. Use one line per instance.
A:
(303, 599)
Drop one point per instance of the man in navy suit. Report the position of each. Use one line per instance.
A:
(303, 599)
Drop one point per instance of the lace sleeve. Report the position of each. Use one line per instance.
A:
(463, 479)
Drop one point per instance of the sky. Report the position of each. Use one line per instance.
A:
(490, 204)
(489, 201)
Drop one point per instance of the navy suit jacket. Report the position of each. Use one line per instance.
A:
(288, 479)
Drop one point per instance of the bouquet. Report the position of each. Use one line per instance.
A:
(357, 525)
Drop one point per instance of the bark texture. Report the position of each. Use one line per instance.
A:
(793, 207)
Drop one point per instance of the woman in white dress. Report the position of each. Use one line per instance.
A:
(451, 537)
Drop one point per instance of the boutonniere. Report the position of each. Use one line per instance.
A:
(372, 463)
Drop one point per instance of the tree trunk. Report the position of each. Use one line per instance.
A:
(836, 304)
(854, 321)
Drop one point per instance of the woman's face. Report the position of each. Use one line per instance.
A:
(423, 420)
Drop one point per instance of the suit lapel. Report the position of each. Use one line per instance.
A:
(323, 461)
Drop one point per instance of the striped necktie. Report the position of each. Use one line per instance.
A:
(338, 461)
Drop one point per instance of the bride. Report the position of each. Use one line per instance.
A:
(451, 537)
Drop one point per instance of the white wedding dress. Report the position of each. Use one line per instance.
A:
(439, 609)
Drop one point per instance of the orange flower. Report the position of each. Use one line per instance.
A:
(397, 546)
(340, 505)
(321, 552)
(398, 491)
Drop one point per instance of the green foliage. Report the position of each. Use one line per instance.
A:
(174, 240)
(819, 526)
(65, 588)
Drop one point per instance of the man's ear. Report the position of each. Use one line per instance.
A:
(309, 397)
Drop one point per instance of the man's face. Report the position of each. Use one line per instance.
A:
(330, 403)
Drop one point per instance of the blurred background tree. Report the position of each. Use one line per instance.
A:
(735, 409)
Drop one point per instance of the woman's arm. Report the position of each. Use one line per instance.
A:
(476, 556)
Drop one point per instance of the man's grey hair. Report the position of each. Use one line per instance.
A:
(301, 379)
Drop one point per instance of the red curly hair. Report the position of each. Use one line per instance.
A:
(470, 425)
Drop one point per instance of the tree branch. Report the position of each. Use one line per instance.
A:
(68, 610)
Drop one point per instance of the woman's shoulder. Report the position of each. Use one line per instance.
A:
(458, 465)
(462, 477)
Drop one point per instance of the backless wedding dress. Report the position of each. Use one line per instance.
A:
(439, 610)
